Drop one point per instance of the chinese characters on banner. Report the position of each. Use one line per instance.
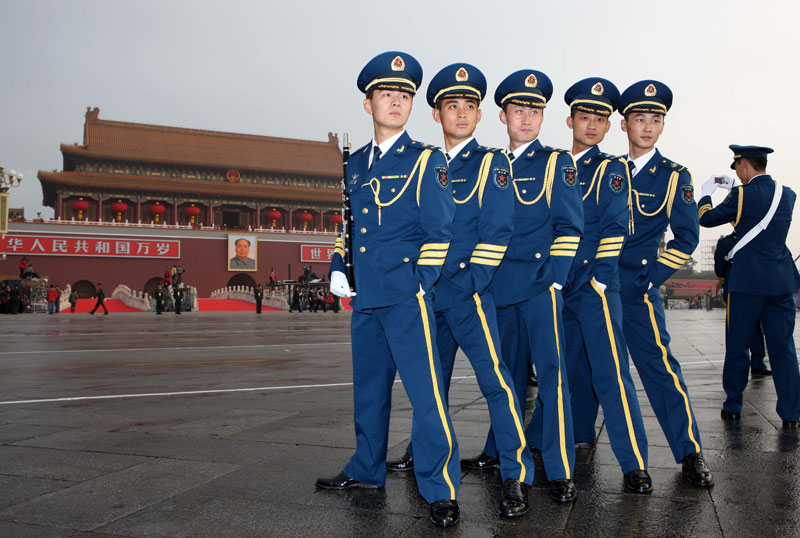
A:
(91, 246)
(316, 253)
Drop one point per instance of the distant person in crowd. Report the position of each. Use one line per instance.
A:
(294, 304)
(29, 271)
(242, 259)
(51, 299)
(158, 295)
(258, 293)
(173, 273)
(58, 300)
(15, 299)
(73, 301)
(179, 273)
(100, 295)
(272, 276)
(23, 265)
(177, 295)
(5, 299)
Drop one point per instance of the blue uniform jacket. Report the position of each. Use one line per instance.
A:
(484, 198)
(403, 217)
(663, 196)
(605, 185)
(764, 266)
(548, 225)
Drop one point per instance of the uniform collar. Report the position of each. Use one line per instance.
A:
(760, 177)
(527, 148)
(641, 162)
(587, 154)
(453, 153)
(386, 145)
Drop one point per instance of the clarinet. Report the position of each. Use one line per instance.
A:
(347, 216)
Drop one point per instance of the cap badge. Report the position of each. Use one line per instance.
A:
(597, 89)
(650, 91)
(398, 64)
(531, 81)
(462, 75)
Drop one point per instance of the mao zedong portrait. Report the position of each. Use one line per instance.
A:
(243, 258)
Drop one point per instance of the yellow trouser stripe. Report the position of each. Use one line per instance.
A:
(677, 383)
(509, 394)
(488, 246)
(562, 443)
(442, 415)
(613, 342)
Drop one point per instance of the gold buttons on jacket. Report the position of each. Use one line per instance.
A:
(644, 262)
(363, 230)
(365, 210)
(462, 265)
(538, 255)
(524, 191)
(362, 249)
(405, 259)
(585, 262)
(393, 189)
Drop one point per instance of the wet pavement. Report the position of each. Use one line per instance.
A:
(217, 424)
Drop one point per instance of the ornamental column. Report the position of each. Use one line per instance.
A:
(59, 206)
(289, 221)
(211, 212)
(175, 211)
(99, 208)
(138, 211)
(258, 216)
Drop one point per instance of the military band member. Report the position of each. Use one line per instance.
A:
(596, 354)
(177, 295)
(663, 196)
(548, 224)
(761, 279)
(465, 311)
(403, 212)
(258, 295)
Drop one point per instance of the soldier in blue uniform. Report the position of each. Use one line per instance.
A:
(761, 280)
(548, 224)
(663, 196)
(596, 353)
(403, 214)
(465, 311)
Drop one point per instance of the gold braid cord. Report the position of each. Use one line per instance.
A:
(483, 174)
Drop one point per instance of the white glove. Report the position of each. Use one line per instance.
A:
(557, 286)
(650, 286)
(340, 286)
(600, 284)
(710, 186)
(421, 291)
(725, 182)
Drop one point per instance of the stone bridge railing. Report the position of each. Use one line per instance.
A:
(245, 293)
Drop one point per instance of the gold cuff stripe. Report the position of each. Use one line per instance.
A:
(429, 261)
(609, 240)
(607, 254)
(485, 254)
(484, 261)
(489, 246)
(606, 248)
(669, 263)
(434, 254)
(703, 210)
(567, 239)
(673, 259)
(434, 246)
(677, 254)
(562, 253)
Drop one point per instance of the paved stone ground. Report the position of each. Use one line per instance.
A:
(264, 406)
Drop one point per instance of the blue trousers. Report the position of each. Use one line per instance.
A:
(599, 373)
(533, 329)
(757, 349)
(401, 338)
(776, 313)
(648, 342)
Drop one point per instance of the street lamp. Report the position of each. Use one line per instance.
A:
(9, 179)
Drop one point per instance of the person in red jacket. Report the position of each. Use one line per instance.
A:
(51, 300)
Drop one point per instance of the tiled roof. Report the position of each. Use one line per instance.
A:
(184, 187)
(195, 147)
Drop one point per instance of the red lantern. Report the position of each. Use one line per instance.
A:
(336, 219)
(119, 207)
(305, 217)
(274, 215)
(80, 205)
(156, 210)
(192, 211)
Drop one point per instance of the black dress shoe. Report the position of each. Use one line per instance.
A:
(584, 445)
(791, 424)
(444, 513)
(696, 471)
(406, 463)
(761, 372)
(481, 462)
(730, 415)
(562, 490)
(515, 498)
(341, 481)
(639, 482)
(536, 453)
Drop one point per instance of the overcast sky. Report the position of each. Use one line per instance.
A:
(289, 68)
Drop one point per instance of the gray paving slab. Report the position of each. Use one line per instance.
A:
(241, 460)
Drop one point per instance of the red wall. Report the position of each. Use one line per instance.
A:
(204, 259)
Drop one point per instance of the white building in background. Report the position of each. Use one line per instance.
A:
(705, 255)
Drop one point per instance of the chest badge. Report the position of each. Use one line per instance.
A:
(501, 178)
(569, 175)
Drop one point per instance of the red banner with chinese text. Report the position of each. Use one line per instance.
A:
(316, 253)
(102, 247)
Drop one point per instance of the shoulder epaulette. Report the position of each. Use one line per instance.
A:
(422, 145)
(672, 165)
(608, 156)
(487, 149)
(365, 147)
